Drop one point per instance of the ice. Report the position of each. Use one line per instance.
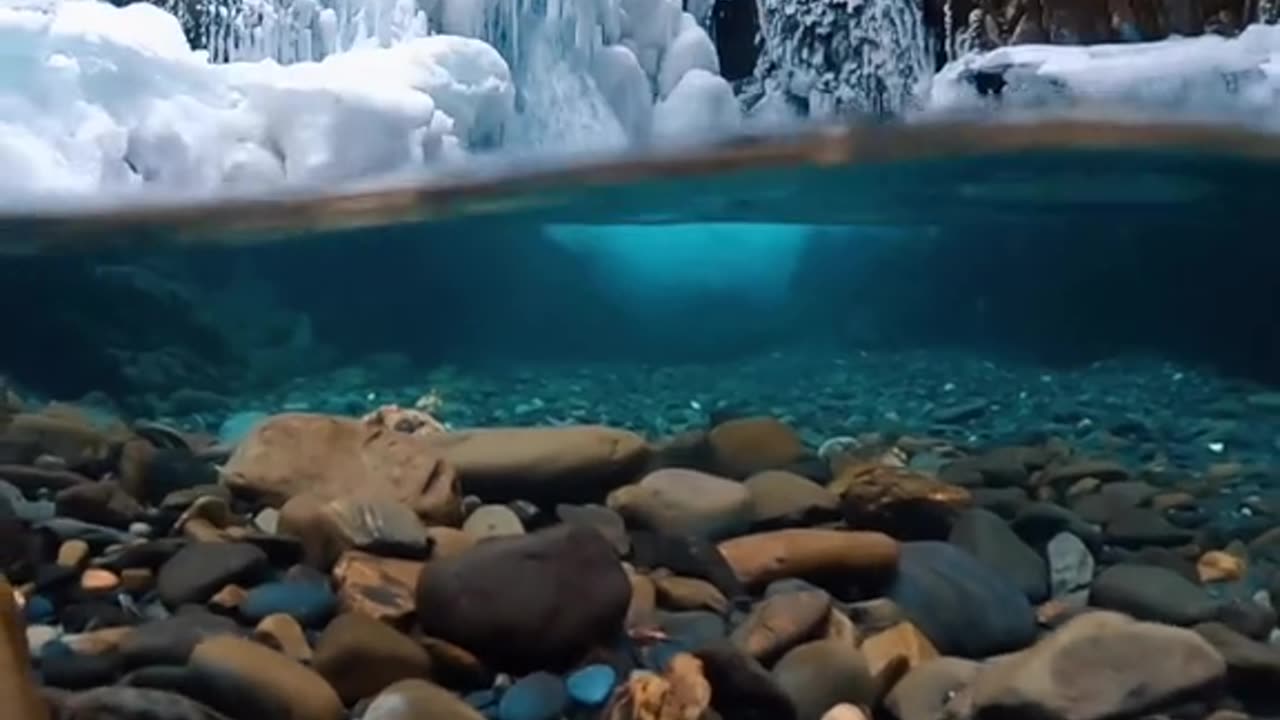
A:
(690, 49)
(625, 87)
(1210, 77)
(699, 106)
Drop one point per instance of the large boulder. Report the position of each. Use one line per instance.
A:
(527, 602)
(333, 457)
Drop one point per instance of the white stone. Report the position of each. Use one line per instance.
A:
(1071, 565)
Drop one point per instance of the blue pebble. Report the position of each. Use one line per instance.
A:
(39, 609)
(310, 604)
(592, 685)
(482, 699)
(540, 696)
(55, 649)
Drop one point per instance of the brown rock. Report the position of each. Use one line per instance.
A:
(417, 700)
(903, 502)
(778, 495)
(677, 501)
(840, 627)
(643, 601)
(97, 580)
(103, 502)
(740, 448)
(1219, 566)
(381, 588)
(447, 542)
(543, 464)
(1083, 486)
(902, 640)
(1064, 474)
(1099, 665)
(200, 530)
(459, 665)
(573, 594)
(360, 657)
(282, 633)
(821, 674)
(923, 693)
(681, 693)
(21, 697)
(844, 711)
(328, 528)
(780, 622)
(683, 593)
(63, 432)
(296, 687)
(135, 456)
(100, 641)
(229, 597)
(764, 557)
(608, 522)
(73, 554)
(334, 457)
(1171, 500)
(490, 521)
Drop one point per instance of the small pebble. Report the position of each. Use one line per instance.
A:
(97, 580)
(38, 609)
(137, 580)
(140, 529)
(591, 685)
(540, 696)
(73, 554)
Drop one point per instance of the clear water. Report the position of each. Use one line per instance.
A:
(1110, 289)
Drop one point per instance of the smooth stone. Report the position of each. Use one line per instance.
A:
(305, 694)
(73, 554)
(742, 447)
(687, 556)
(824, 673)
(681, 593)
(267, 520)
(38, 609)
(1038, 522)
(740, 688)
(782, 621)
(149, 554)
(417, 700)
(133, 703)
(221, 691)
(78, 672)
(679, 501)
(490, 521)
(97, 580)
(39, 635)
(17, 687)
(1152, 593)
(140, 529)
(901, 641)
(989, 539)
(764, 557)
(962, 606)
(382, 588)
(96, 535)
(592, 685)
(199, 570)
(1071, 565)
(608, 522)
(103, 503)
(361, 656)
(540, 696)
(1141, 527)
(172, 640)
(309, 603)
(844, 711)
(327, 528)
(1253, 668)
(283, 633)
(779, 495)
(923, 692)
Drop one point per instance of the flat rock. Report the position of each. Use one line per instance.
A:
(1253, 667)
(740, 687)
(678, 501)
(334, 457)
(779, 496)
(361, 656)
(923, 692)
(960, 604)
(779, 623)
(1141, 527)
(491, 521)
(742, 447)
(328, 528)
(761, 558)
(172, 640)
(988, 538)
(1062, 475)
(379, 587)
(674, 592)
(130, 703)
(1152, 593)
(904, 503)
(310, 603)
(1099, 665)
(103, 503)
(199, 570)
(572, 594)
(301, 690)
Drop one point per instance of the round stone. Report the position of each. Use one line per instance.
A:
(97, 580)
(540, 696)
(493, 521)
(311, 604)
(591, 685)
(38, 609)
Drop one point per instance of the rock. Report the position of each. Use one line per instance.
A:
(103, 503)
(1218, 566)
(491, 521)
(904, 503)
(79, 672)
(962, 606)
(360, 657)
(282, 633)
(73, 554)
(740, 687)
(1141, 527)
(592, 685)
(922, 694)
(690, 630)
(1062, 475)
(1071, 565)
(137, 580)
(606, 521)
(1152, 593)
(172, 640)
(1249, 617)
(1168, 559)
(448, 542)
(416, 700)
(778, 496)
(381, 588)
(1099, 665)
(689, 556)
(311, 604)
(1253, 668)
(21, 697)
(745, 446)
(300, 689)
(573, 594)
(989, 539)
(684, 502)
(643, 603)
(333, 457)
(223, 692)
(97, 580)
(682, 593)
(171, 470)
(824, 673)
(1005, 502)
(764, 557)
(682, 691)
(132, 703)
(779, 623)
(844, 711)
(1038, 522)
(228, 599)
(199, 570)
(902, 640)
(542, 464)
(540, 696)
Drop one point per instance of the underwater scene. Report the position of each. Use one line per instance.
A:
(639, 360)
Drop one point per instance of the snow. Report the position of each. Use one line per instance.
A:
(690, 49)
(701, 105)
(1208, 78)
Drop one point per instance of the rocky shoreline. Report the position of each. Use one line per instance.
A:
(993, 549)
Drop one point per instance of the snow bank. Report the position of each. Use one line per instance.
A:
(98, 99)
(1205, 78)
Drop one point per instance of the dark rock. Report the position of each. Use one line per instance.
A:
(691, 629)
(81, 617)
(173, 469)
(218, 690)
(821, 674)
(608, 522)
(573, 594)
(1168, 559)
(77, 672)
(1248, 618)
(687, 556)
(133, 703)
(923, 692)
(102, 503)
(311, 604)
(150, 554)
(361, 656)
(170, 641)
(961, 605)
(740, 688)
(1005, 502)
(1141, 527)
(540, 696)
(1152, 593)
(98, 536)
(1253, 668)
(281, 550)
(199, 570)
(1038, 522)
(989, 539)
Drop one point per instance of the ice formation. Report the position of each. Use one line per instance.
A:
(1207, 78)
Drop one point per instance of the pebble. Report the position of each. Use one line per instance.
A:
(311, 604)
(592, 685)
(540, 696)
